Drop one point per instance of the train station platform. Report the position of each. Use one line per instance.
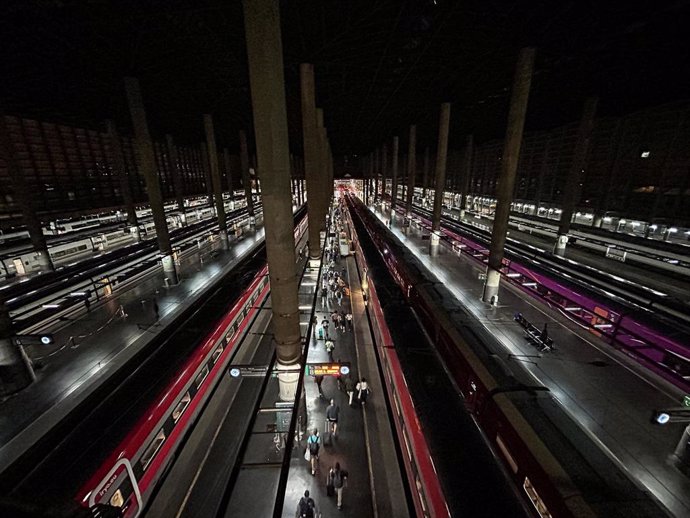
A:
(610, 396)
(674, 285)
(364, 444)
(88, 349)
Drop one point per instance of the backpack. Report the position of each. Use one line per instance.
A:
(313, 445)
(306, 507)
(337, 479)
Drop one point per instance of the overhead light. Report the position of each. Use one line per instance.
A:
(644, 154)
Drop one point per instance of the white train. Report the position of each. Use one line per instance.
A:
(26, 261)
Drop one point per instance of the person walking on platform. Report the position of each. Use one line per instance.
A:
(306, 507)
(341, 321)
(349, 388)
(337, 478)
(313, 446)
(324, 326)
(319, 380)
(348, 319)
(314, 325)
(156, 310)
(330, 345)
(362, 391)
(324, 297)
(339, 296)
(332, 414)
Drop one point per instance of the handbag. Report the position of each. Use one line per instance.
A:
(307, 455)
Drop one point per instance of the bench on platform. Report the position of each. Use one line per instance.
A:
(533, 334)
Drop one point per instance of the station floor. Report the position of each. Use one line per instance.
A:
(92, 346)
(608, 395)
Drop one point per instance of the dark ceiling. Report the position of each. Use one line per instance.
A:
(380, 64)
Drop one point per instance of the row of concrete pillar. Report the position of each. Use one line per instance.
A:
(506, 181)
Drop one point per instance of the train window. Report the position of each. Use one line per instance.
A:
(216, 353)
(506, 453)
(538, 503)
(153, 448)
(247, 308)
(201, 376)
(181, 407)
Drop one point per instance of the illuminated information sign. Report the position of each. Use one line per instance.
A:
(328, 369)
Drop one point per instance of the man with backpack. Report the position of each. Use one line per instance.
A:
(337, 478)
(313, 444)
(306, 507)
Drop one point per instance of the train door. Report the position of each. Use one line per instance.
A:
(19, 266)
(119, 489)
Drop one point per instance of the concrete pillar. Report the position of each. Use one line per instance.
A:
(310, 139)
(411, 169)
(571, 193)
(440, 177)
(324, 195)
(123, 179)
(206, 165)
(265, 53)
(23, 198)
(147, 164)
(177, 178)
(506, 180)
(384, 170)
(227, 164)
(215, 178)
(425, 179)
(394, 175)
(467, 173)
(246, 181)
(15, 368)
(377, 171)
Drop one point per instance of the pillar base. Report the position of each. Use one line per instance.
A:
(493, 280)
(169, 269)
(287, 381)
(435, 241)
(16, 372)
(597, 221)
(136, 233)
(224, 240)
(561, 243)
(44, 262)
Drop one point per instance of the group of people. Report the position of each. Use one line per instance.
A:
(333, 288)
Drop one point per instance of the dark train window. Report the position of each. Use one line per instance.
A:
(181, 407)
(153, 448)
(216, 353)
(201, 376)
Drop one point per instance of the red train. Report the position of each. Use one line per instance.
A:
(544, 482)
(425, 486)
(130, 474)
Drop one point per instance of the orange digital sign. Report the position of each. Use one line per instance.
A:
(328, 369)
